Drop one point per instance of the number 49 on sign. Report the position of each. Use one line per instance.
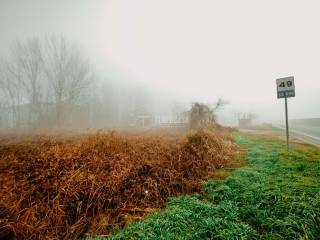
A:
(285, 87)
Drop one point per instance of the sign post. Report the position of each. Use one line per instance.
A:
(287, 122)
(286, 89)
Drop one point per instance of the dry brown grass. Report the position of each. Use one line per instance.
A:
(63, 187)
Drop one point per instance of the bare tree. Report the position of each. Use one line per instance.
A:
(68, 75)
(202, 115)
(219, 104)
(10, 95)
(26, 72)
(43, 81)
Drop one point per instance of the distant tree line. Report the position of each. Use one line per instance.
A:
(42, 82)
(50, 83)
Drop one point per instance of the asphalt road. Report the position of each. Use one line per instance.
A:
(303, 133)
(298, 135)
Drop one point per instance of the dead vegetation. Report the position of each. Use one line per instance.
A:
(62, 189)
(204, 115)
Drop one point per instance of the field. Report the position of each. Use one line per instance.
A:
(66, 186)
(159, 186)
(276, 196)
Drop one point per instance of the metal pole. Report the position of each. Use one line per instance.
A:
(287, 123)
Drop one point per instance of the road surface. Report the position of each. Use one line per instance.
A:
(303, 134)
(298, 133)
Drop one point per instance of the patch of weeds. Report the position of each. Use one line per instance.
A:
(276, 196)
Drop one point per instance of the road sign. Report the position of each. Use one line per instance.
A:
(285, 87)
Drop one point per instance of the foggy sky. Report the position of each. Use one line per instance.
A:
(193, 50)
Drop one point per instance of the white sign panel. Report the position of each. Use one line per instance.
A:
(285, 87)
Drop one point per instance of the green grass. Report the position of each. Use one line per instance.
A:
(276, 196)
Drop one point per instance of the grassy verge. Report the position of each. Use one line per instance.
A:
(276, 196)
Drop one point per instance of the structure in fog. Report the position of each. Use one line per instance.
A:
(245, 120)
(159, 120)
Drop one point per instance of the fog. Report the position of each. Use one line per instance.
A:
(158, 57)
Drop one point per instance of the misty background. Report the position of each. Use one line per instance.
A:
(160, 56)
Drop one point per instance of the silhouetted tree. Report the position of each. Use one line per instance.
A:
(68, 74)
(203, 116)
(43, 79)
